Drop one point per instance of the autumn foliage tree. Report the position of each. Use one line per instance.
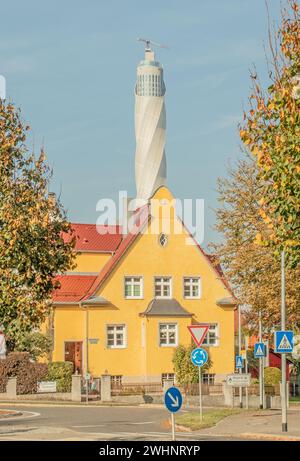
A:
(251, 268)
(271, 132)
(32, 249)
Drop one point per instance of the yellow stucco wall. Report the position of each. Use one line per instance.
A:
(91, 262)
(143, 357)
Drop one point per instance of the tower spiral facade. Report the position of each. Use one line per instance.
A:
(150, 127)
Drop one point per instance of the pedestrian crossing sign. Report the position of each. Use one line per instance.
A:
(259, 350)
(284, 342)
(238, 361)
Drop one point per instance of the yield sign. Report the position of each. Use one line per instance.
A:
(198, 333)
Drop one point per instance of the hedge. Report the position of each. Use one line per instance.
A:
(28, 373)
(272, 375)
(61, 372)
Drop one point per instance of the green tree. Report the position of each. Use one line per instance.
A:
(271, 132)
(186, 372)
(32, 249)
(37, 344)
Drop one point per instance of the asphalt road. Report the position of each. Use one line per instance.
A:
(91, 423)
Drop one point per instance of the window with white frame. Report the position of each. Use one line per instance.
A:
(116, 336)
(168, 334)
(133, 287)
(208, 378)
(167, 376)
(191, 287)
(211, 337)
(116, 380)
(163, 287)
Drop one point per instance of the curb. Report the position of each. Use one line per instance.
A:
(65, 403)
(274, 437)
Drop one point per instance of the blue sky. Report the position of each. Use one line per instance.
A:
(70, 66)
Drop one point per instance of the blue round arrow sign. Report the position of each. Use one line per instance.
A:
(173, 399)
(199, 357)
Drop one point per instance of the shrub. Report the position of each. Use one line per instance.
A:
(186, 372)
(61, 372)
(272, 375)
(18, 364)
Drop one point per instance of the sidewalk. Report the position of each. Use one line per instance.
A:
(259, 424)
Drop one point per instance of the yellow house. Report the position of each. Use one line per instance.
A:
(128, 303)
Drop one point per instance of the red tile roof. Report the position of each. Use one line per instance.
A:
(72, 287)
(141, 219)
(91, 237)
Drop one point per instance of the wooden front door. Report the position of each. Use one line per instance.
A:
(73, 353)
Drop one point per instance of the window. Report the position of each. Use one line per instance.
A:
(211, 338)
(133, 287)
(208, 378)
(167, 376)
(168, 334)
(192, 287)
(116, 380)
(163, 240)
(116, 336)
(162, 287)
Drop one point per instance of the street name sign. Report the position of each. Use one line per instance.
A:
(238, 361)
(239, 380)
(173, 399)
(284, 342)
(199, 357)
(198, 333)
(259, 350)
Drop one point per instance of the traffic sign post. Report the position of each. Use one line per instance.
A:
(173, 402)
(199, 358)
(284, 425)
(261, 369)
(238, 361)
(284, 342)
(198, 333)
(259, 350)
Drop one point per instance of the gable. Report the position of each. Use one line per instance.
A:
(142, 254)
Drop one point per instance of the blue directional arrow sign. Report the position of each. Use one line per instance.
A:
(199, 357)
(238, 361)
(173, 399)
(284, 341)
(259, 350)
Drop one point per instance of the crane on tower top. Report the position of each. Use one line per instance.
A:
(149, 42)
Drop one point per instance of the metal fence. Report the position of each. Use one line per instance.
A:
(156, 388)
(207, 389)
(135, 388)
(272, 390)
(94, 388)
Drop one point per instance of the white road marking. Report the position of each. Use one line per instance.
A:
(125, 423)
(92, 425)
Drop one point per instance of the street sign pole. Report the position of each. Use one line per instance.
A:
(199, 358)
(200, 394)
(173, 402)
(261, 384)
(283, 356)
(246, 370)
(173, 426)
(240, 347)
